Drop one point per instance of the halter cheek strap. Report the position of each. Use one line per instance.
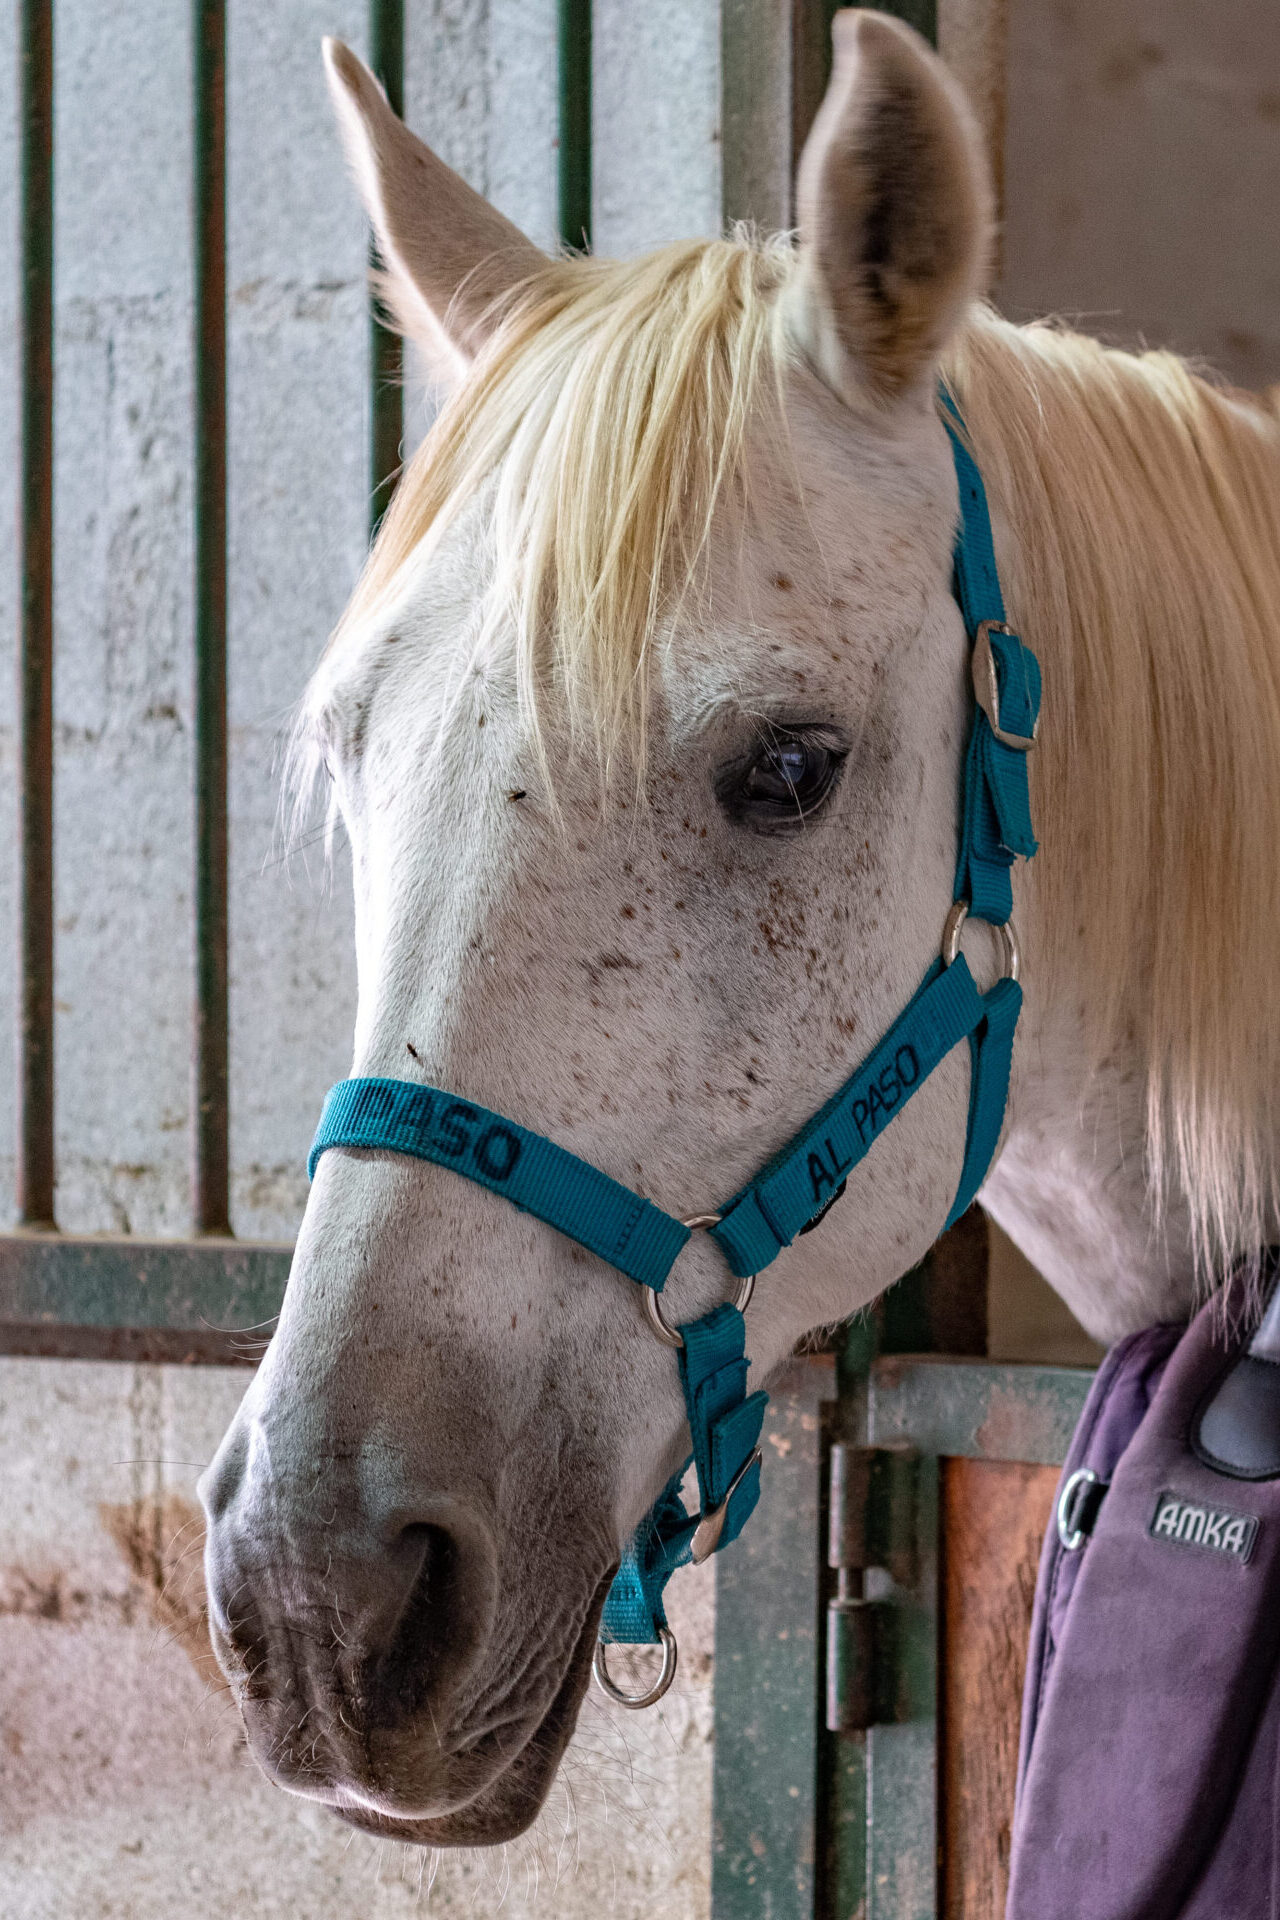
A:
(806, 1175)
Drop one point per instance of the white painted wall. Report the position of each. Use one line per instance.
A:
(125, 1789)
(1142, 174)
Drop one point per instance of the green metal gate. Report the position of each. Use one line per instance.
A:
(118, 1297)
(829, 1781)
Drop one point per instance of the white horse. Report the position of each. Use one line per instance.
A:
(645, 725)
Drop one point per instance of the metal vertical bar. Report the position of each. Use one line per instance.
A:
(902, 1786)
(810, 71)
(35, 1170)
(811, 23)
(767, 1674)
(755, 144)
(386, 362)
(574, 131)
(920, 14)
(209, 1145)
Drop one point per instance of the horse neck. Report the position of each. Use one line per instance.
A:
(1138, 523)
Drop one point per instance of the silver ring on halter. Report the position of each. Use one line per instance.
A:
(671, 1336)
(660, 1685)
(954, 926)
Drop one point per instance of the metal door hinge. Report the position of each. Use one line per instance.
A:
(871, 1546)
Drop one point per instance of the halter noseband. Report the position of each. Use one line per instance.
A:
(807, 1174)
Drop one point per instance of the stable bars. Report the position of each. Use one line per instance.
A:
(209, 1151)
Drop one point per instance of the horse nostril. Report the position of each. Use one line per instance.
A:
(380, 1623)
(431, 1637)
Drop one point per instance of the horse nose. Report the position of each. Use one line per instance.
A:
(348, 1590)
(436, 1591)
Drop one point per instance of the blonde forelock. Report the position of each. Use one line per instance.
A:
(606, 415)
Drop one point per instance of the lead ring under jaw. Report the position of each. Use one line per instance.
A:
(671, 1336)
(660, 1685)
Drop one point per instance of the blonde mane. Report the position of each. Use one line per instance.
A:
(1143, 507)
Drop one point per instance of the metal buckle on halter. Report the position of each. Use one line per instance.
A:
(953, 926)
(660, 1685)
(671, 1336)
(986, 686)
(706, 1535)
(705, 1540)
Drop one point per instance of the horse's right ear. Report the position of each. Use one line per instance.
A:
(894, 206)
(448, 255)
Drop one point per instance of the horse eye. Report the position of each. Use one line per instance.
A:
(784, 782)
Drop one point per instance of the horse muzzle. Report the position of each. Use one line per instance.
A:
(369, 1658)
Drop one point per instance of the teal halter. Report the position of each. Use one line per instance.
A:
(807, 1174)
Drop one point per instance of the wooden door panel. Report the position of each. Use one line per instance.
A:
(994, 1515)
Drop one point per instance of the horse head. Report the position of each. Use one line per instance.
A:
(645, 727)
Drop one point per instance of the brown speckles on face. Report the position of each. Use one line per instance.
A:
(783, 926)
(609, 963)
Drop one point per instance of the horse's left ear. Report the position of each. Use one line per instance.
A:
(448, 256)
(894, 203)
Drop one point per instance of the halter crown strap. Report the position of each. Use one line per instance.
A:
(995, 821)
(808, 1173)
(995, 824)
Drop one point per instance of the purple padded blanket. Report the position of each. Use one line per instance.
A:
(1149, 1777)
